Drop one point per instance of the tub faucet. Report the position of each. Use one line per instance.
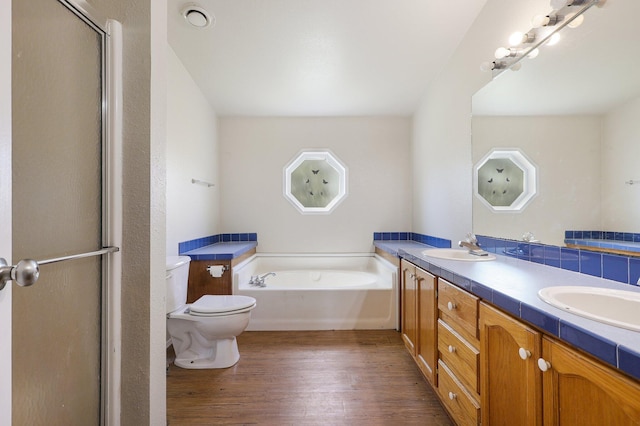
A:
(471, 243)
(258, 281)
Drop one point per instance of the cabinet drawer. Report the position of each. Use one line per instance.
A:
(464, 409)
(459, 308)
(460, 356)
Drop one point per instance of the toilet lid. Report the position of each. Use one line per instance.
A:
(213, 304)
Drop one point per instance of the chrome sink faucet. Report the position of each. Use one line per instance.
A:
(258, 281)
(471, 243)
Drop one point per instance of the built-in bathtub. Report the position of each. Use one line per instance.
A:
(320, 292)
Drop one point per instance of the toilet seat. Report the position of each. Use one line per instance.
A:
(214, 305)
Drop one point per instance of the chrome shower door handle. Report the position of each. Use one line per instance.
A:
(25, 273)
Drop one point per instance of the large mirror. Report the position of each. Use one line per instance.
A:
(575, 111)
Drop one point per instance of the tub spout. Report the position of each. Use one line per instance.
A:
(258, 281)
(267, 274)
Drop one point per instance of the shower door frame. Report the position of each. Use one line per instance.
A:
(112, 87)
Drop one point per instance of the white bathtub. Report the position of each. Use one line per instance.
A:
(320, 292)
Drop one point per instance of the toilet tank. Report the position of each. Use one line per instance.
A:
(177, 278)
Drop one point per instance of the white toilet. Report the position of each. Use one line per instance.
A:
(203, 333)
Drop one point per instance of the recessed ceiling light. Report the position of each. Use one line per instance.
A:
(197, 16)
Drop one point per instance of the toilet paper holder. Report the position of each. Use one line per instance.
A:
(216, 271)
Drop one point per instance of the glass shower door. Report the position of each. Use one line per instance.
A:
(57, 108)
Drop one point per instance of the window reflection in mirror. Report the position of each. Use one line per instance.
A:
(505, 180)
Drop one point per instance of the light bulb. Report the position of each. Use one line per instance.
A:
(576, 22)
(553, 40)
(487, 66)
(534, 53)
(516, 66)
(540, 21)
(516, 38)
(502, 52)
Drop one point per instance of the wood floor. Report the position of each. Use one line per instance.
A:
(308, 378)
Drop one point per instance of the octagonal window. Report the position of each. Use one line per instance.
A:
(505, 180)
(315, 182)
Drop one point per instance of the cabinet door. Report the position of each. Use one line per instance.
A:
(511, 383)
(580, 391)
(201, 282)
(409, 307)
(426, 350)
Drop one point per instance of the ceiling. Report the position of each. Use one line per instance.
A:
(319, 57)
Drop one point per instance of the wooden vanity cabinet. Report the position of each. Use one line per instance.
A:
(488, 358)
(201, 282)
(419, 317)
(574, 389)
(458, 353)
(578, 390)
(510, 378)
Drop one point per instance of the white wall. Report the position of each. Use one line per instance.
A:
(568, 164)
(620, 163)
(254, 152)
(192, 153)
(441, 146)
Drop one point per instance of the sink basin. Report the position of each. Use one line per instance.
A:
(457, 254)
(615, 307)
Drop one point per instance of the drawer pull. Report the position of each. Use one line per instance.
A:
(524, 354)
(452, 396)
(451, 306)
(452, 349)
(543, 365)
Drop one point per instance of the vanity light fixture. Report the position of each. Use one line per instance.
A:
(518, 38)
(544, 30)
(197, 17)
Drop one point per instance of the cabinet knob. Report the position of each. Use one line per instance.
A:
(452, 348)
(543, 365)
(451, 306)
(452, 396)
(524, 354)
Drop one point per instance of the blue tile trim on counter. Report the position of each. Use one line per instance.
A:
(545, 321)
(627, 241)
(186, 246)
(218, 247)
(616, 267)
(412, 236)
(629, 361)
(595, 345)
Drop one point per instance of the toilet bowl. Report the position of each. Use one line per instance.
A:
(203, 333)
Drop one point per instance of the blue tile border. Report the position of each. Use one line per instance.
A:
(627, 241)
(602, 348)
(616, 267)
(544, 320)
(412, 236)
(629, 361)
(186, 246)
